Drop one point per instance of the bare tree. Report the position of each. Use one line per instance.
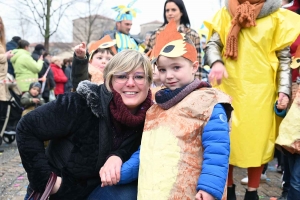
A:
(90, 25)
(45, 14)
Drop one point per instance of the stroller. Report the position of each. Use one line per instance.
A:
(10, 112)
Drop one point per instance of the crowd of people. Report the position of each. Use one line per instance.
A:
(129, 119)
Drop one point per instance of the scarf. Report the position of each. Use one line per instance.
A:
(122, 114)
(167, 98)
(244, 14)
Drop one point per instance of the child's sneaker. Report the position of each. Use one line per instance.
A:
(263, 179)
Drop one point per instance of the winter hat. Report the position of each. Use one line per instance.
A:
(39, 47)
(16, 39)
(35, 84)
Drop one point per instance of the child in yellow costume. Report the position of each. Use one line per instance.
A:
(185, 146)
(100, 53)
(249, 42)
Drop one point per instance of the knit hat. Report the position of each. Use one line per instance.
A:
(171, 43)
(125, 12)
(39, 47)
(296, 59)
(105, 43)
(35, 84)
(16, 39)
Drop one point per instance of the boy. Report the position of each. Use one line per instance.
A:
(100, 52)
(186, 134)
(32, 99)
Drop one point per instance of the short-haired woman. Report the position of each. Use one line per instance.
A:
(96, 127)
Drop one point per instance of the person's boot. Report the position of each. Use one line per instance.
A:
(231, 193)
(251, 195)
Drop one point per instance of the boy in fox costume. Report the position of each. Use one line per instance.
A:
(185, 146)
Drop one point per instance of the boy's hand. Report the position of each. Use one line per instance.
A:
(283, 101)
(201, 195)
(218, 71)
(80, 50)
(35, 100)
(110, 172)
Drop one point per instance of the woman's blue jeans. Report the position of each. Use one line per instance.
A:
(116, 192)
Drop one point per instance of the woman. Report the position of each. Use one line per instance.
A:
(3, 63)
(59, 75)
(175, 9)
(95, 127)
(26, 68)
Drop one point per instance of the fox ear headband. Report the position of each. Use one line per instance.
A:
(104, 43)
(296, 59)
(171, 43)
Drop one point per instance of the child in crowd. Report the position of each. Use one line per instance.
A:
(100, 52)
(185, 147)
(32, 99)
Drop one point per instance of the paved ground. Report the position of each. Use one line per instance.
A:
(13, 179)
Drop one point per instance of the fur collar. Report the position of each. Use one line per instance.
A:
(270, 6)
(91, 93)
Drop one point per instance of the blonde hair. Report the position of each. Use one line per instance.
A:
(127, 61)
(2, 35)
(55, 58)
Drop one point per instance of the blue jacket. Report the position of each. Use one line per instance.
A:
(216, 144)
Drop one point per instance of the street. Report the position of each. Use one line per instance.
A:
(14, 180)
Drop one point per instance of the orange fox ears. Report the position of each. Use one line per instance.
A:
(296, 59)
(105, 42)
(171, 43)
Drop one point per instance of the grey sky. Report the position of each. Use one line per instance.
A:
(150, 10)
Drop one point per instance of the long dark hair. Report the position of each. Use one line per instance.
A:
(22, 44)
(184, 18)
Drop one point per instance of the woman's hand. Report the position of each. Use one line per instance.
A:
(110, 172)
(283, 101)
(218, 71)
(56, 185)
(80, 50)
(9, 54)
(201, 195)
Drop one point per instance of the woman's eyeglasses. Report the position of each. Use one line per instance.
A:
(139, 77)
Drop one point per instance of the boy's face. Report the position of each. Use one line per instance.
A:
(176, 72)
(34, 91)
(100, 60)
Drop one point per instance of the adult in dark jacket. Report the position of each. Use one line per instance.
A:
(11, 45)
(50, 83)
(39, 50)
(68, 71)
(96, 127)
